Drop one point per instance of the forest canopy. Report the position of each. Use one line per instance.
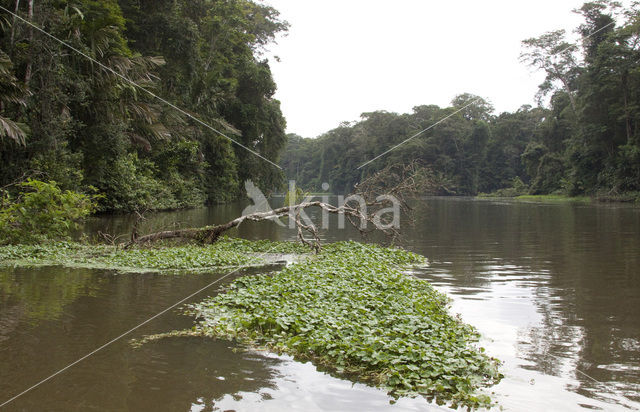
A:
(65, 119)
(585, 140)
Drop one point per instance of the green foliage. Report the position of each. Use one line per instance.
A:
(12, 93)
(260, 246)
(472, 151)
(87, 127)
(212, 50)
(518, 188)
(554, 198)
(179, 259)
(596, 112)
(132, 183)
(42, 211)
(352, 311)
(456, 151)
(586, 142)
(293, 197)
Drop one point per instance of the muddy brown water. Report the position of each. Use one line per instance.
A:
(553, 288)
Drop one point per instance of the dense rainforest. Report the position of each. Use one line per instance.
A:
(65, 118)
(584, 140)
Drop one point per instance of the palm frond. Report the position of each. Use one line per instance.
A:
(14, 131)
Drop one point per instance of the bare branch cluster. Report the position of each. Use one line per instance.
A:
(396, 183)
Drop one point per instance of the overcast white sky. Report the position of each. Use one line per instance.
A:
(345, 57)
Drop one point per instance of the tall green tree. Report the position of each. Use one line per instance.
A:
(71, 120)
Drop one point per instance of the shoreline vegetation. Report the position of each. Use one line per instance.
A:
(629, 198)
(539, 198)
(585, 141)
(350, 310)
(555, 198)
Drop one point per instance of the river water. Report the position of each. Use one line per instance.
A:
(554, 290)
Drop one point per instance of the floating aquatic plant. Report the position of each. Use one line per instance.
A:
(352, 311)
(227, 252)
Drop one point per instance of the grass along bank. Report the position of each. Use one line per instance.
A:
(630, 197)
(227, 252)
(352, 311)
(536, 198)
(554, 198)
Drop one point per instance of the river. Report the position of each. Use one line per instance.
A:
(553, 288)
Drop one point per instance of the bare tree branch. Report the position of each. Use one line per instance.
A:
(401, 182)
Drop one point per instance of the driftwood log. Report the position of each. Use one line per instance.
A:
(398, 181)
(210, 234)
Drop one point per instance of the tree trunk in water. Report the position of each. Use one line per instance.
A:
(210, 234)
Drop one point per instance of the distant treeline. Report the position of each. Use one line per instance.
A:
(586, 142)
(66, 119)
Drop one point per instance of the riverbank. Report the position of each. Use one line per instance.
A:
(633, 198)
(554, 198)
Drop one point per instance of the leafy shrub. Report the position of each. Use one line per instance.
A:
(60, 165)
(518, 188)
(134, 183)
(293, 197)
(42, 211)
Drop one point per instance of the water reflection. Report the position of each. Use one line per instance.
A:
(558, 284)
(65, 313)
(554, 289)
(47, 324)
(179, 374)
(27, 296)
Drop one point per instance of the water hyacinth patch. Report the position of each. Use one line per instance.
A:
(350, 310)
(227, 252)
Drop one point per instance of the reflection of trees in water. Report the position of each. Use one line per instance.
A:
(582, 265)
(155, 221)
(552, 347)
(174, 374)
(595, 286)
(167, 375)
(10, 317)
(40, 294)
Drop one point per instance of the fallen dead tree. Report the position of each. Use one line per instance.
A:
(367, 209)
